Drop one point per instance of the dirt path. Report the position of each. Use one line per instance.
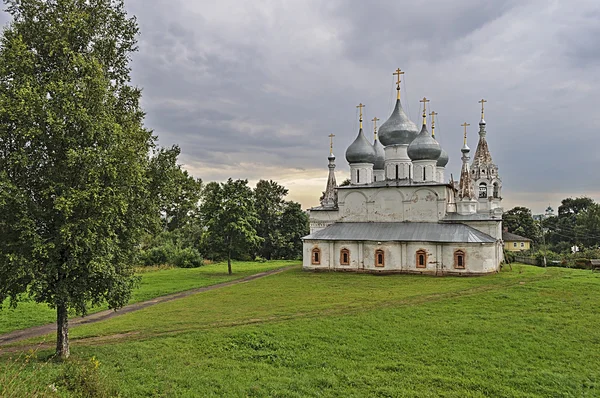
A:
(38, 331)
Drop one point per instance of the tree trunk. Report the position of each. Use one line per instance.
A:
(229, 262)
(229, 256)
(62, 331)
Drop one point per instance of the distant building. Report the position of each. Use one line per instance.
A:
(515, 243)
(400, 214)
(549, 213)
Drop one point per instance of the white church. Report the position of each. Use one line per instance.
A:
(400, 213)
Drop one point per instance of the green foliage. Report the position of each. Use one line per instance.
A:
(229, 216)
(178, 192)
(74, 197)
(269, 203)
(281, 225)
(166, 248)
(83, 379)
(519, 221)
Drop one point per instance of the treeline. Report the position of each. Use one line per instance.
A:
(571, 236)
(219, 221)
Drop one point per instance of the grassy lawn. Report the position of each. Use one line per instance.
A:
(531, 332)
(154, 283)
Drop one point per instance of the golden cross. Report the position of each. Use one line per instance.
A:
(424, 101)
(375, 120)
(331, 143)
(482, 102)
(398, 73)
(465, 125)
(360, 106)
(433, 114)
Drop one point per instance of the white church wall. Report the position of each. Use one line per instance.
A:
(392, 256)
(419, 204)
(431, 263)
(492, 228)
(353, 205)
(355, 255)
(326, 253)
(425, 205)
(388, 205)
(320, 219)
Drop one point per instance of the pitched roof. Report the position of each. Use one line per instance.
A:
(402, 232)
(509, 237)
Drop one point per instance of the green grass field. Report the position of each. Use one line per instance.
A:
(154, 283)
(530, 332)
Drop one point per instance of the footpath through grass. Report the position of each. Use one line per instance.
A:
(531, 332)
(154, 283)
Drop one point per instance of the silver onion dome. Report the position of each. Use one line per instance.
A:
(361, 150)
(398, 129)
(379, 156)
(424, 147)
(443, 159)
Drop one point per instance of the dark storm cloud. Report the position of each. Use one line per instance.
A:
(252, 89)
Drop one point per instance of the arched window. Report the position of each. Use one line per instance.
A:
(459, 259)
(424, 177)
(483, 190)
(379, 258)
(316, 256)
(396, 172)
(374, 178)
(345, 257)
(496, 190)
(357, 176)
(421, 259)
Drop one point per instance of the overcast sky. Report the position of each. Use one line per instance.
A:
(252, 89)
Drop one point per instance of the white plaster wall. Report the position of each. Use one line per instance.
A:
(388, 206)
(392, 252)
(320, 219)
(430, 170)
(411, 256)
(397, 155)
(366, 173)
(353, 205)
(355, 255)
(378, 175)
(479, 258)
(440, 174)
(414, 203)
(425, 205)
(326, 253)
(492, 228)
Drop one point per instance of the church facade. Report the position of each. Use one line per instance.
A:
(400, 214)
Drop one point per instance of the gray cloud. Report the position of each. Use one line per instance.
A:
(252, 89)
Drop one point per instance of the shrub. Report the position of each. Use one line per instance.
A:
(84, 380)
(187, 258)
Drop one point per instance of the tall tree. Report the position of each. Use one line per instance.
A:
(229, 218)
(293, 225)
(269, 202)
(519, 220)
(73, 156)
(178, 192)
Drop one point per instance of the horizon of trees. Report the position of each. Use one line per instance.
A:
(577, 223)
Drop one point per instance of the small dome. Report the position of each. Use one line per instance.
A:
(379, 156)
(443, 159)
(361, 150)
(424, 147)
(398, 129)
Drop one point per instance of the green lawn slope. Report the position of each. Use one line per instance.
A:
(529, 332)
(154, 283)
